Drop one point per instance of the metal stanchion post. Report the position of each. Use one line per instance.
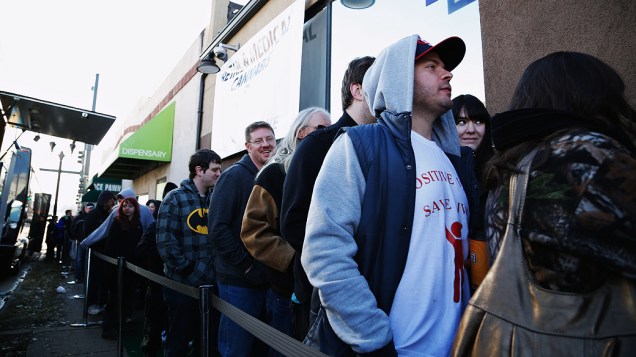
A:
(204, 308)
(87, 269)
(121, 268)
(74, 281)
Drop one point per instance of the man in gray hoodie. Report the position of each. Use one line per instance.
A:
(387, 230)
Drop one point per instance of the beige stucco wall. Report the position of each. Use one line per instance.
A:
(517, 32)
(181, 86)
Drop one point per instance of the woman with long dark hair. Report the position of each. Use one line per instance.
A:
(123, 237)
(581, 220)
(577, 228)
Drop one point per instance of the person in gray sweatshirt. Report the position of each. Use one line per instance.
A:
(102, 232)
(387, 229)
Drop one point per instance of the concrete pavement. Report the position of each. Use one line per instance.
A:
(82, 341)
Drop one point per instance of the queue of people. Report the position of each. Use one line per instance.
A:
(353, 237)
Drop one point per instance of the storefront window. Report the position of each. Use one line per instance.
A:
(366, 32)
(161, 184)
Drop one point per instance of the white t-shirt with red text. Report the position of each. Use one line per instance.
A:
(434, 290)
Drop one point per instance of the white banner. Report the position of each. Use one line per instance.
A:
(260, 82)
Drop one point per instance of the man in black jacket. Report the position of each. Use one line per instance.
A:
(77, 235)
(302, 174)
(94, 219)
(241, 279)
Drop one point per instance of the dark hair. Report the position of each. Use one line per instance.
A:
(256, 125)
(473, 107)
(157, 203)
(202, 158)
(476, 110)
(122, 219)
(104, 197)
(573, 82)
(169, 187)
(354, 74)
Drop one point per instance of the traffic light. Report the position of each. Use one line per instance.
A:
(80, 157)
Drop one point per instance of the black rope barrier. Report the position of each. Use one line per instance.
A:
(272, 337)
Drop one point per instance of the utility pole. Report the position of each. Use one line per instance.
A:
(88, 148)
(57, 188)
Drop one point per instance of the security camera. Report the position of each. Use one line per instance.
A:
(220, 53)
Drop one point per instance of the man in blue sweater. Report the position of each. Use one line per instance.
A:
(241, 278)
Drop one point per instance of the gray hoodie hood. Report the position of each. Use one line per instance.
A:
(127, 193)
(388, 87)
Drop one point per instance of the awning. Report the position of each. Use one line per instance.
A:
(146, 149)
(55, 119)
(99, 185)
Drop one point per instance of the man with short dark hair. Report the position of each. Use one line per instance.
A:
(387, 229)
(301, 176)
(184, 247)
(77, 233)
(241, 278)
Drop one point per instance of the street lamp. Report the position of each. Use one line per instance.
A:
(57, 188)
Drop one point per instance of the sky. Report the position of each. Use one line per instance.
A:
(51, 50)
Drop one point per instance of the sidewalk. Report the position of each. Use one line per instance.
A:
(53, 335)
(67, 340)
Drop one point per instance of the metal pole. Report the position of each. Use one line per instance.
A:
(57, 188)
(74, 281)
(328, 61)
(88, 148)
(95, 90)
(121, 267)
(87, 269)
(204, 308)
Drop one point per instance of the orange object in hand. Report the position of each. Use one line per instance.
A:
(478, 257)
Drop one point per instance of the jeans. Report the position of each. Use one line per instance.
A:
(234, 341)
(79, 262)
(183, 323)
(154, 320)
(278, 315)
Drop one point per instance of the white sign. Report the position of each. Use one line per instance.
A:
(261, 82)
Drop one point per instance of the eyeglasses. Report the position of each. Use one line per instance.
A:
(261, 141)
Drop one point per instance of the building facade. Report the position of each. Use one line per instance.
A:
(210, 110)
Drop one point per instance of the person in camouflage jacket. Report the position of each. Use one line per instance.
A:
(579, 218)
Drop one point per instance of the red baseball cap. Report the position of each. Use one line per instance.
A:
(450, 50)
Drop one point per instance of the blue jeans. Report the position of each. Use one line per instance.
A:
(183, 323)
(279, 315)
(79, 262)
(234, 341)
